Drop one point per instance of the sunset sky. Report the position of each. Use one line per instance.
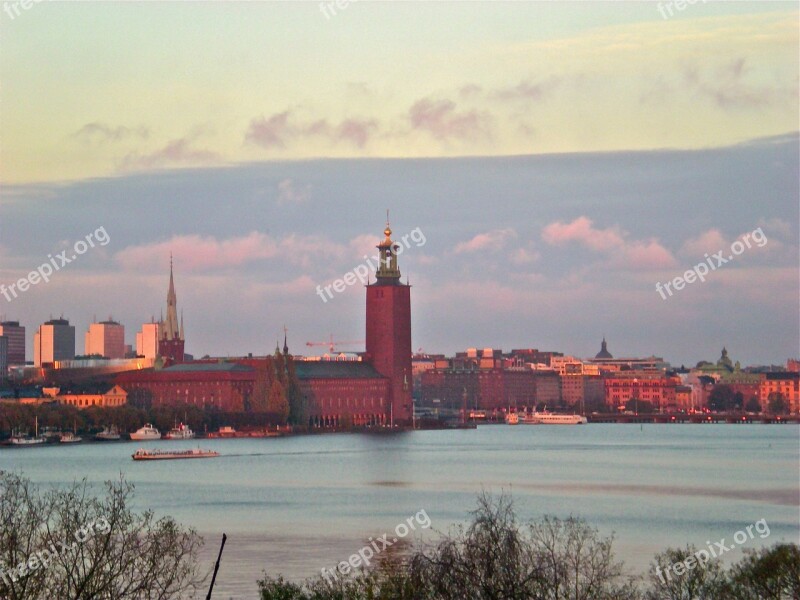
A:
(560, 158)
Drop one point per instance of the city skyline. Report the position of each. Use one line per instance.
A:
(566, 186)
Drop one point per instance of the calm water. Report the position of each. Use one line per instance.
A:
(295, 505)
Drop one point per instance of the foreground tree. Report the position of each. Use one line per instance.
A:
(68, 543)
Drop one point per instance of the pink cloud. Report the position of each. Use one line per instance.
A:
(356, 131)
(707, 242)
(489, 241)
(642, 256)
(199, 253)
(582, 231)
(525, 90)
(270, 133)
(175, 152)
(441, 119)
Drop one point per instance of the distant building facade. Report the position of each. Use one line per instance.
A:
(147, 340)
(55, 340)
(15, 333)
(3, 357)
(116, 396)
(106, 339)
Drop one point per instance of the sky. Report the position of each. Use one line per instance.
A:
(559, 160)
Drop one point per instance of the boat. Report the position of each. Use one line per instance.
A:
(227, 430)
(25, 440)
(142, 454)
(18, 439)
(69, 438)
(180, 432)
(148, 432)
(108, 435)
(512, 418)
(548, 418)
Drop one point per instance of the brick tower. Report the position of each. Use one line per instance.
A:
(389, 331)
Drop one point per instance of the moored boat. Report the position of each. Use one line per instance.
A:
(548, 418)
(108, 435)
(148, 432)
(512, 418)
(142, 454)
(69, 438)
(180, 432)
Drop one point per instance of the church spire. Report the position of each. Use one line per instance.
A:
(171, 327)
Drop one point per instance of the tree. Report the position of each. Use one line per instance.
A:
(776, 404)
(701, 582)
(639, 406)
(721, 398)
(767, 574)
(298, 405)
(69, 543)
(753, 405)
(277, 403)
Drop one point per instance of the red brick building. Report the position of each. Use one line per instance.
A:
(375, 391)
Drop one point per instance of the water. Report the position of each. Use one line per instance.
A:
(296, 505)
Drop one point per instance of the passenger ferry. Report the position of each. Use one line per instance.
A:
(142, 454)
(180, 432)
(148, 432)
(548, 418)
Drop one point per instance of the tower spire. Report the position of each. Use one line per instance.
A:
(388, 273)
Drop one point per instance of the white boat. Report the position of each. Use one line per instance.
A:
(148, 432)
(18, 439)
(108, 434)
(548, 418)
(512, 418)
(25, 440)
(142, 454)
(181, 432)
(69, 438)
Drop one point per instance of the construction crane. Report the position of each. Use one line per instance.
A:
(332, 344)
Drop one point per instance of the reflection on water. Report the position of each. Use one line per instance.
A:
(296, 505)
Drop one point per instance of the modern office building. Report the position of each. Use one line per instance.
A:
(55, 340)
(106, 339)
(147, 340)
(16, 341)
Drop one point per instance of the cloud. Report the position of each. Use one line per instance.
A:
(612, 242)
(270, 133)
(356, 131)
(525, 90)
(288, 193)
(441, 119)
(489, 241)
(281, 129)
(707, 242)
(173, 153)
(201, 253)
(102, 132)
(727, 86)
(582, 231)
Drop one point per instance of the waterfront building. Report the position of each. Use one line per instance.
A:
(106, 339)
(374, 389)
(116, 396)
(651, 385)
(55, 340)
(786, 383)
(388, 330)
(15, 333)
